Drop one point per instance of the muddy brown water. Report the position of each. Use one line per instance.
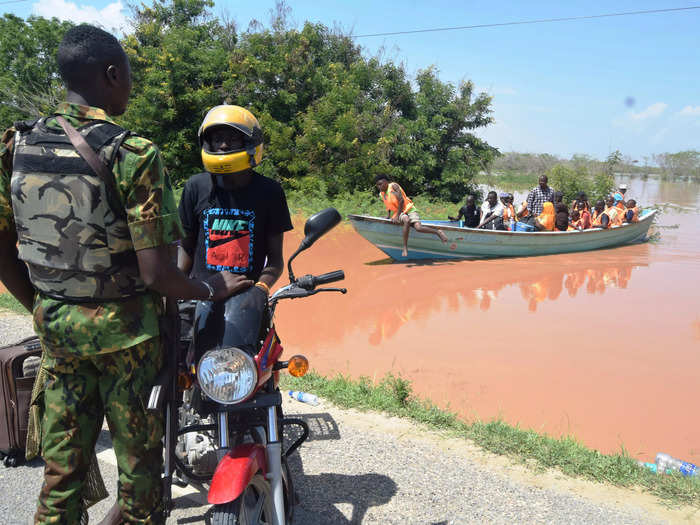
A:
(600, 345)
(603, 345)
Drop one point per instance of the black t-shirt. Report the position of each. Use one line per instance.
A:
(231, 226)
(471, 216)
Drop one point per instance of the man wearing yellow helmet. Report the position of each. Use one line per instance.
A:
(234, 218)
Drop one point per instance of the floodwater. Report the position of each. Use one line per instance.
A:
(603, 345)
(600, 345)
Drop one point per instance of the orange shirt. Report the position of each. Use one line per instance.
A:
(391, 202)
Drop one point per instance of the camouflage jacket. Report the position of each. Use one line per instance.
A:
(152, 218)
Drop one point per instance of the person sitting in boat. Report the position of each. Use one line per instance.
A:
(470, 212)
(620, 205)
(561, 217)
(581, 198)
(508, 211)
(523, 215)
(545, 220)
(605, 217)
(491, 213)
(400, 210)
(615, 210)
(632, 212)
(575, 221)
(539, 195)
(598, 209)
(584, 211)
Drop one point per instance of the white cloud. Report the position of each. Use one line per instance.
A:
(693, 111)
(652, 111)
(111, 17)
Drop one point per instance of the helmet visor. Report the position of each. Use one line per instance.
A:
(224, 139)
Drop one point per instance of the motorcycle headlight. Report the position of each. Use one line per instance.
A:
(227, 375)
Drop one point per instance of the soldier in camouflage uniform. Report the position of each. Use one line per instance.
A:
(99, 264)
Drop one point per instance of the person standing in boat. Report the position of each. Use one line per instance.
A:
(400, 210)
(620, 193)
(470, 212)
(539, 195)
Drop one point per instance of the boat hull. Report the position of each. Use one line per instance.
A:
(468, 243)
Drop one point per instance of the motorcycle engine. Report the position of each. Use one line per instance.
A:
(196, 449)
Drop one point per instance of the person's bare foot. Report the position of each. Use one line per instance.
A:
(114, 516)
(442, 236)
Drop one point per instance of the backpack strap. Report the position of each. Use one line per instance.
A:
(88, 154)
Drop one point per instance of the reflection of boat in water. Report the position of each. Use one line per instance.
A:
(472, 243)
(536, 285)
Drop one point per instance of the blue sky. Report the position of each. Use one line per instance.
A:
(558, 88)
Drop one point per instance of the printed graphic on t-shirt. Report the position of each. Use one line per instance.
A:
(229, 239)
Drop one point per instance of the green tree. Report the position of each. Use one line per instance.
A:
(680, 164)
(179, 60)
(29, 80)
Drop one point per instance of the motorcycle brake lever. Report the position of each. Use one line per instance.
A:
(341, 290)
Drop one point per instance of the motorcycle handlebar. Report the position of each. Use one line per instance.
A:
(310, 282)
(329, 277)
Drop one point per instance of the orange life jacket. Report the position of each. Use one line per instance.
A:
(595, 218)
(392, 203)
(613, 217)
(508, 214)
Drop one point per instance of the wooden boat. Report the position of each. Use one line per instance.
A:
(469, 243)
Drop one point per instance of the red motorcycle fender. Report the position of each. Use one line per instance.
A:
(234, 472)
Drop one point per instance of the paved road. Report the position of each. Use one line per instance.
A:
(365, 468)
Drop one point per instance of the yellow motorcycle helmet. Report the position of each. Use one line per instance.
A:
(233, 161)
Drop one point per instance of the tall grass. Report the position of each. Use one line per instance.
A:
(9, 303)
(393, 395)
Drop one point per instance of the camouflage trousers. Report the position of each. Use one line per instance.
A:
(79, 393)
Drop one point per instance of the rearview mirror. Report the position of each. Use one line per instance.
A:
(318, 225)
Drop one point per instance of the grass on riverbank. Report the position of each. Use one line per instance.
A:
(507, 181)
(8, 302)
(393, 395)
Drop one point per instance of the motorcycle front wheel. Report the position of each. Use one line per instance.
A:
(253, 507)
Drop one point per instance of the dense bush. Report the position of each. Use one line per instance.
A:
(571, 180)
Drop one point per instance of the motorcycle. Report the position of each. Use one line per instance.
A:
(223, 420)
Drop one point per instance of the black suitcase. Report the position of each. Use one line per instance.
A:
(15, 398)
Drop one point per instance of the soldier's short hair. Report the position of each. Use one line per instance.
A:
(84, 50)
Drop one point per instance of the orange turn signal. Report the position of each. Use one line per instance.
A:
(298, 365)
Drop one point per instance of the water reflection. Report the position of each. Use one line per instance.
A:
(535, 288)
